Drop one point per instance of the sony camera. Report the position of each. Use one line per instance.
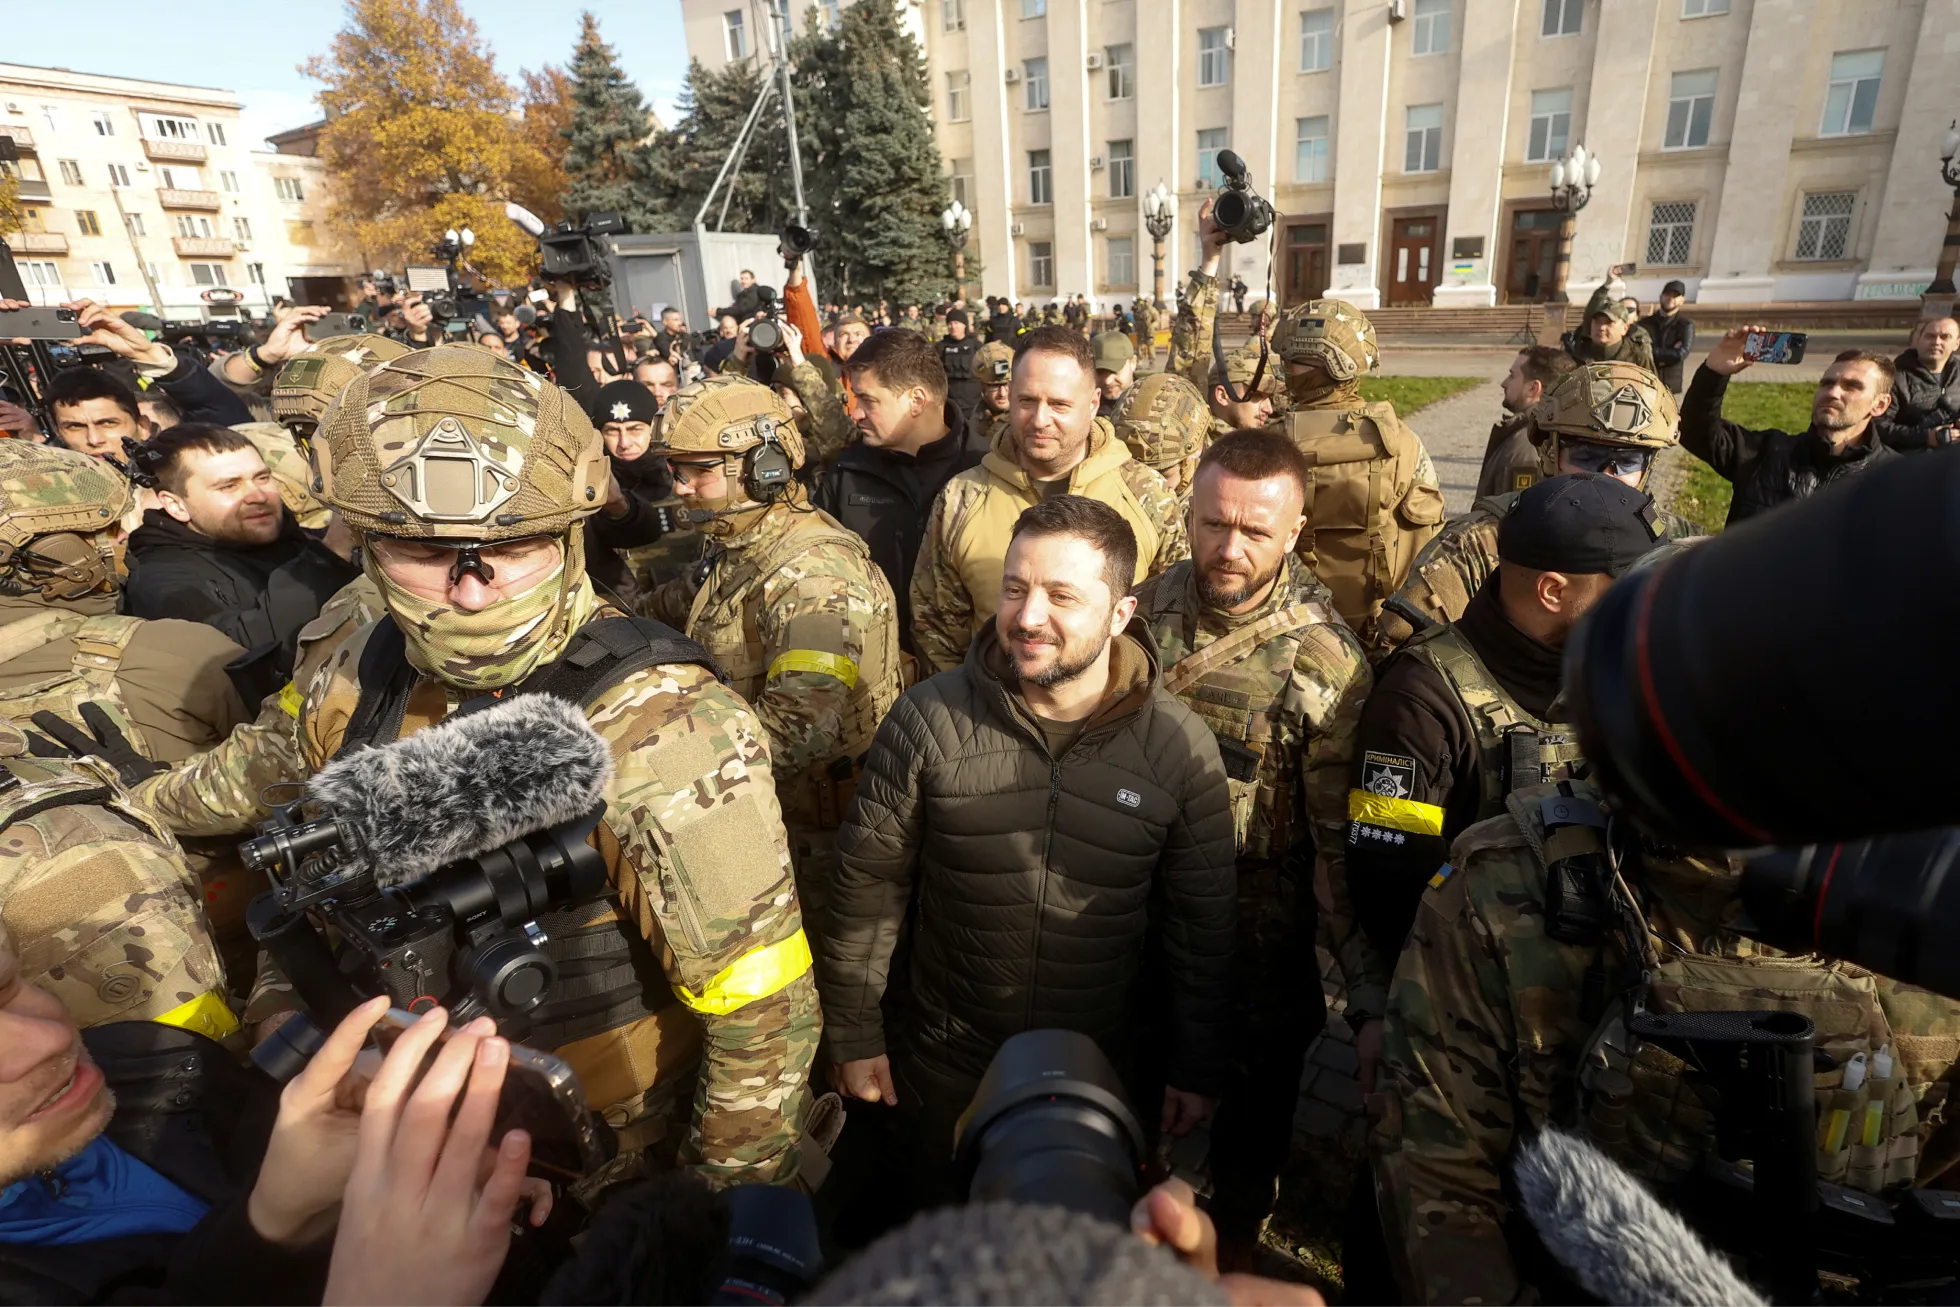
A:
(1241, 212)
(574, 252)
(798, 240)
(766, 334)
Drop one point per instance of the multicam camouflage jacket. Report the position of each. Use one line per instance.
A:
(1285, 702)
(1191, 331)
(699, 862)
(827, 428)
(1486, 1041)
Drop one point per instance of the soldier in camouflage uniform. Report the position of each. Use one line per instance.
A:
(1496, 1030)
(1600, 417)
(1250, 642)
(993, 368)
(483, 584)
(103, 909)
(789, 603)
(301, 391)
(1162, 421)
(1259, 376)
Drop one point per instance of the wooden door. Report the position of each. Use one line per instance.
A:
(1306, 263)
(1415, 261)
(1533, 251)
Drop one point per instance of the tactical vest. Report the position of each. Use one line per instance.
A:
(726, 620)
(100, 643)
(1255, 713)
(1367, 514)
(1449, 570)
(1515, 750)
(608, 976)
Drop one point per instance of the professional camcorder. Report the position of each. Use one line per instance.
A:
(766, 335)
(1241, 212)
(799, 240)
(574, 252)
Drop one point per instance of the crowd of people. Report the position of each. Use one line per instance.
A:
(962, 675)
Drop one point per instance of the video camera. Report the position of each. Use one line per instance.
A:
(574, 252)
(766, 333)
(1241, 212)
(798, 240)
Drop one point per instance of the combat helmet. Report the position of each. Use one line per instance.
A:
(1164, 420)
(58, 513)
(750, 427)
(1605, 404)
(308, 382)
(458, 444)
(1243, 370)
(993, 363)
(1333, 335)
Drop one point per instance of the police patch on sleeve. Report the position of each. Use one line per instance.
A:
(1392, 776)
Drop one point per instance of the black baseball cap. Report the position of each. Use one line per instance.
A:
(1675, 288)
(1579, 523)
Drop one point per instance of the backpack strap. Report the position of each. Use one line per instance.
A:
(1194, 667)
(601, 654)
(386, 681)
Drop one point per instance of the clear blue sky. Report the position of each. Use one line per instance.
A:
(255, 50)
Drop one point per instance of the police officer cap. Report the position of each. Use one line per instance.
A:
(625, 400)
(1580, 523)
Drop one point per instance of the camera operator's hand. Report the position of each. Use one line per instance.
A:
(1169, 1216)
(869, 1079)
(417, 1223)
(1727, 357)
(18, 423)
(112, 333)
(8, 306)
(743, 351)
(416, 314)
(1184, 1111)
(563, 294)
(288, 335)
(1212, 238)
(792, 342)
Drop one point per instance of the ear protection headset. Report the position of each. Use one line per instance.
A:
(766, 468)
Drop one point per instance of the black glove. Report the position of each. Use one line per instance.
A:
(107, 743)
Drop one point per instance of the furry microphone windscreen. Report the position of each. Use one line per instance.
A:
(1615, 1237)
(464, 786)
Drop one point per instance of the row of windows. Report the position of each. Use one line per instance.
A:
(89, 223)
(1119, 262)
(46, 273)
(154, 126)
(171, 176)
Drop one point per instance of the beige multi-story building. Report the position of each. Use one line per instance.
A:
(147, 194)
(1758, 150)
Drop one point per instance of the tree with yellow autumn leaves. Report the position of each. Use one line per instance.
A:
(424, 134)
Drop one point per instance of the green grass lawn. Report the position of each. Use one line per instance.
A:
(1409, 394)
(1763, 405)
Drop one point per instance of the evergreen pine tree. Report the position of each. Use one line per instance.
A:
(607, 155)
(687, 156)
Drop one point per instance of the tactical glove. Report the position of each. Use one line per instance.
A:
(103, 739)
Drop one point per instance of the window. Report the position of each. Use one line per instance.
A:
(229, 180)
(1034, 9)
(1041, 178)
(89, 224)
(1121, 63)
(207, 274)
(31, 220)
(1432, 34)
(154, 273)
(255, 273)
(1703, 8)
(1562, 18)
(1310, 149)
(962, 181)
(959, 100)
(1214, 59)
(105, 124)
(1825, 229)
(831, 16)
(299, 233)
(1690, 110)
(1035, 72)
(1316, 40)
(952, 15)
(1210, 142)
(135, 223)
(287, 188)
(163, 127)
(242, 228)
(1551, 125)
(1853, 97)
(1041, 263)
(118, 174)
(104, 273)
(1423, 147)
(179, 177)
(1122, 170)
(734, 35)
(71, 172)
(40, 272)
(51, 115)
(1671, 234)
(193, 224)
(215, 133)
(1122, 261)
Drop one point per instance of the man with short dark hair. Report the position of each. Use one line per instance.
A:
(1057, 808)
(1511, 455)
(912, 440)
(94, 412)
(1671, 333)
(221, 548)
(1775, 467)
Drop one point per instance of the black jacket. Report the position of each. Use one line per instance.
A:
(961, 386)
(886, 497)
(1003, 327)
(748, 302)
(646, 483)
(1767, 467)
(1673, 340)
(201, 397)
(186, 1109)
(1032, 881)
(258, 595)
(1922, 401)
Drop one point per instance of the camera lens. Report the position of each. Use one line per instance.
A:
(766, 336)
(1229, 210)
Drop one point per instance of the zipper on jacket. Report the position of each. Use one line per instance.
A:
(1041, 893)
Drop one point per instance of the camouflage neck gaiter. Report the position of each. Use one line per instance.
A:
(503, 643)
(1318, 390)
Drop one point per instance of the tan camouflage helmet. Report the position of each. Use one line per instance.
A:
(1332, 334)
(724, 415)
(1610, 404)
(993, 363)
(1242, 365)
(457, 444)
(1163, 420)
(57, 505)
(307, 383)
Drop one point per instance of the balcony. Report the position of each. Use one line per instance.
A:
(35, 190)
(37, 242)
(21, 135)
(172, 198)
(203, 247)
(175, 151)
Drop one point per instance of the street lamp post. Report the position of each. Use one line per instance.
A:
(1573, 179)
(957, 221)
(1157, 218)
(1950, 251)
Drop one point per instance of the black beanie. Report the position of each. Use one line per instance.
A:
(624, 401)
(957, 315)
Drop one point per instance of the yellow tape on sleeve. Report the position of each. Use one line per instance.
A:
(207, 1014)
(756, 974)
(291, 700)
(815, 660)
(1395, 814)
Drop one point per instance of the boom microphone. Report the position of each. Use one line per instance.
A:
(461, 788)
(524, 218)
(1617, 1239)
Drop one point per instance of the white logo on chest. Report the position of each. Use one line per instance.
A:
(1129, 798)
